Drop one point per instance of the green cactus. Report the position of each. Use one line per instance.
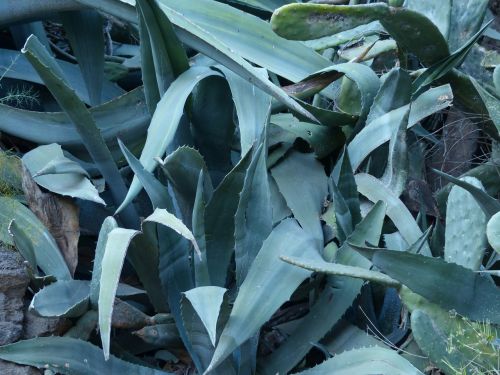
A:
(493, 232)
(396, 3)
(465, 239)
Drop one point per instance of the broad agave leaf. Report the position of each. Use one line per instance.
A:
(118, 241)
(84, 31)
(72, 180)
(466, 19)
(269, 283)
(14, 65)
(365, 361)
(69, 356)
(412, 31)
(305, 193)
(253, 219)
(53, 77)
(268, 5)
(479, 297)
(338, 295)
(380, 130)
(65, 298)
(490, 102)
(32, 238)
(438, 13)
(201, 273)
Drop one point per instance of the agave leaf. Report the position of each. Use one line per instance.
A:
(14, 65)
(438, 13)
(69, 356)
(379, 130)
(118, 241)
(269, 283)
(167, 116)
(343, 177)
(65, 298)
(156, 191)
(207, 302)
(341, 270)
(219, 221)
(251, 119)
(332, 303)
(73, 182)
(365, 361)
(478, 298)
(323, 139)
(107, 226)
(441, 68)
(82, 118)
(496, 79)
(466, 19)
(253, 220)
(267, 5)
(212, 125)
(368, 50)
(182, 169)
(490, 102)
(32, 238)
(163, 217)
(125, 116)
(412, 31)
(84, 31)
(201, 274)
(304, 193)
(341, 221)
(489, 204)
(375, 190)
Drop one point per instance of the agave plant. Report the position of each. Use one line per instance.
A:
(274, 172)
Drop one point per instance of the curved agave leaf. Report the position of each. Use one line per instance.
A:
(165, 122)
(269, 283)
(411, 30)
(466, 19)
(365, 361)
(117, 243)
(438, 13)
(14, 65)
(379, 130)
(65, 298)
(32, 238)
(73, 182)
(268, 5)
(338, 295)
(375, 191)
(69, 356)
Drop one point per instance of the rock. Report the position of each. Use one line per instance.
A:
(13, 283)
(38, 326)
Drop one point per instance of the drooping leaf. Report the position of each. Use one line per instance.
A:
(304, 193)
(107, 226)
(365, 361)
(69, 356)
(64, 298)
(60, 174)
(84, 30)
(163, 217)
(438, 281)
(118, 241)
(32, 238)
(269, 284)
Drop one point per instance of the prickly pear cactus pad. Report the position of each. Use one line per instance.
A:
(493, 232)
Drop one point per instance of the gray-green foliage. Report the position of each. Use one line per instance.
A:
(271, 171)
